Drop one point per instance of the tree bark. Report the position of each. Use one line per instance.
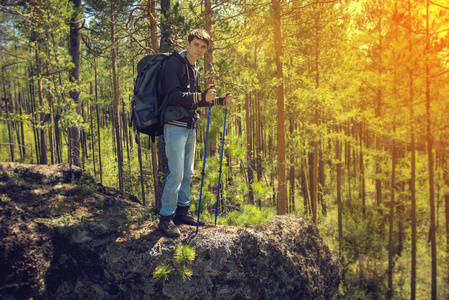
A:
(50, 105)
(92, 132)
(249, 146)
(43, 140)
(292, 176)
(97, 111)
(155, 48)
(413, 165)
(117, 125)
(446, 203)
(163, 170)
(432, 236)
(378, 115)
(209, 63)
(362, 172)
(153, 25)
(75, 53)
(258, 152)
(314, 177)
(391, 223)
(21, 124)
(339, 203)
(34, 122)
(282, 180)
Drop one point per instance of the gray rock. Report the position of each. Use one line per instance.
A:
(102, 244)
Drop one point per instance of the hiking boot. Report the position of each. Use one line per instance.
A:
(168, 227)
(183, 216)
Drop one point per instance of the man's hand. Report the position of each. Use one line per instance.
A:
(211, 93)
(227, 98)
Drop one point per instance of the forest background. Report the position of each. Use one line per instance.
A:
(340, 113)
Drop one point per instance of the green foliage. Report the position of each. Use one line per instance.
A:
(85, 179)
(185, 272)
(184, 255)
(183, 259)
(249, 215)
(162, 273)
(5, 197)
(60, 203)
(262, 193)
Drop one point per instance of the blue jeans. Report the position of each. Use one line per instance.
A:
(180, 150)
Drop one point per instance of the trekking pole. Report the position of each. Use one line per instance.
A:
(221, 163)
(202, 172)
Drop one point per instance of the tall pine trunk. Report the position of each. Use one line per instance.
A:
(50, 105)
(43, 141)
(249, 143)
(339, 202)
(75, 53)
(413, 165)
(97, 111)
(117, 125)
(378, 113)
(282, 180)
(391, 222)
(258, 148)
(155, 49)
(292, 176)
(362, 171)
(163, 170)
(430, 162)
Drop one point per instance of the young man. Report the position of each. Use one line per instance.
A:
(181, 83)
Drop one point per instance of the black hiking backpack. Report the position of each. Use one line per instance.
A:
(149, 103)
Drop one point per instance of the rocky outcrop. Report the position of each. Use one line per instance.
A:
(26, 252)
(91, 242)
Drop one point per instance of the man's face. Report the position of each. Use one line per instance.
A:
(196, 49)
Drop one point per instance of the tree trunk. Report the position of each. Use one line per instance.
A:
(43, 140)
(391, 223)
(153, 25)
(282, 180)
(21, 125)
(413, 166)
(208, 65)
(258, 152)
(209, 55)
(314, 177)
(117, 125)
(11, 142)
(50, 104)
(446, 204)
(163, 170)
(153, 147)
(75, 53)
(34, 120)
(378, 115)
(432, 236)
(339, 203)
(97, 110)
(139, 153)
(362, 171)
(348, 161)
(292, 176)
(249, 146)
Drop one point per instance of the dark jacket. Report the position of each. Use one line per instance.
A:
(181, 84)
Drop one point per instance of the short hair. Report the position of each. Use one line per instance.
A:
(200, 34)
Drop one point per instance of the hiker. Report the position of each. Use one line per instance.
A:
(184, 96)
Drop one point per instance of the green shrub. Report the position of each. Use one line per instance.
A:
(183, 259)
(250, 215)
